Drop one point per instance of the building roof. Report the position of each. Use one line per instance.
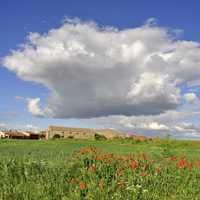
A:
(16, 134)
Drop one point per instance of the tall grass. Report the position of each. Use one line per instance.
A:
(75, 169)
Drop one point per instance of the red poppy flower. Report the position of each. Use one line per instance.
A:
(83, 186)
(133, 164)
(157, 169)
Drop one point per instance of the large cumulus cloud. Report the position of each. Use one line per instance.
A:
(92, 71)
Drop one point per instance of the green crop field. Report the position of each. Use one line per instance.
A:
(86, 169)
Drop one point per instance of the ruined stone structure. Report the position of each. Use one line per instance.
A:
(79, 133)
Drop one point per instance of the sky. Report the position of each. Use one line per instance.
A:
(129, 65)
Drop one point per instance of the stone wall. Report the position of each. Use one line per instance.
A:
(69, 132)
(80, 133)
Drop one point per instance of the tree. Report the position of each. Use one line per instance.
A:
(98, 136)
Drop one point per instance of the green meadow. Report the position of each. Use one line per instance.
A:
(88, 169)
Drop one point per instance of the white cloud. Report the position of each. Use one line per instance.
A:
(146, 123)
(156, 126)
(34, 107)
(188, 128)
(94, 72)
(181, 123)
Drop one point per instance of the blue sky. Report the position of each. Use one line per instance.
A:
(19, 18)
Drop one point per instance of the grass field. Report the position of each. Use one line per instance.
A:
(86, 169)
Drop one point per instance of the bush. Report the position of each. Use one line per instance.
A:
(97, 136)
(56, 136)
(42, 136)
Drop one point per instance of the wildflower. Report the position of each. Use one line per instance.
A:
(99, 158)
(182, 163)
(189, 166)
(198, 163)
(143, 174)
(83, 186)
(157, 170)
(133, 164)
(173, 158)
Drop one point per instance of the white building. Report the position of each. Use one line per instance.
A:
(2, 134)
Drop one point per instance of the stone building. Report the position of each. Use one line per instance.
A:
(79, 133)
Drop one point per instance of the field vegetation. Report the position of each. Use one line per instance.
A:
(104, 169)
